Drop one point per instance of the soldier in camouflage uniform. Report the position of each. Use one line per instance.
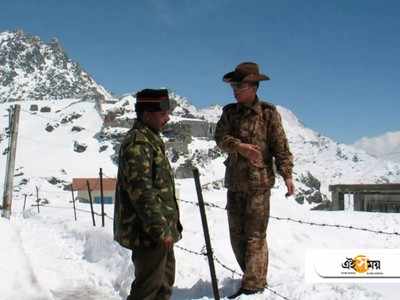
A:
(146, 216)
(251, 132)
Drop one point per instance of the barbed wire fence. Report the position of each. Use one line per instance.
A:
(350, 227)
(203, 252)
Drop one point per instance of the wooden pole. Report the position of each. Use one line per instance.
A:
(10, 167)
(91, 202)
(101, 197)
(73, 200)
(23, 209)
(206, 234)
(37, 199)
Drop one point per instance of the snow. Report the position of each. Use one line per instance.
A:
(49, 255)
(62, 257)
(5, 35)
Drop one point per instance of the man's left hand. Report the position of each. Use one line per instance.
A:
(289, 186)
(168, 242)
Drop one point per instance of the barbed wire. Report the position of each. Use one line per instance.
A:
(77, 209)
(350, 227)
(336, 226)
(205, 204)
(191, 251)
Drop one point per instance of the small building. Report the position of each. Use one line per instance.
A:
(367, 197)
(80, 185)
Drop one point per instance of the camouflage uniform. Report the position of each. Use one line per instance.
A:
(249, 186)
(146, 211)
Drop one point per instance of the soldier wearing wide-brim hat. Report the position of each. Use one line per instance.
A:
(251, 132)
(245, 72)
(146, 215)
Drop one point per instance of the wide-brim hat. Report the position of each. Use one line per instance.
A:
(245, 72)
(152, 100)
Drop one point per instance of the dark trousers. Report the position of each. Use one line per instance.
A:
(248, 215)
(154, 273)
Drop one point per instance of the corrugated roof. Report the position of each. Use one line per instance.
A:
(80, 184)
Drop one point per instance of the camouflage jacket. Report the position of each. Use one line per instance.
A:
(145, 209)
(259, 124)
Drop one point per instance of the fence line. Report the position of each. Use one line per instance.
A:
(350, 227)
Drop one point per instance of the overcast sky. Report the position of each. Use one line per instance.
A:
(335, 64)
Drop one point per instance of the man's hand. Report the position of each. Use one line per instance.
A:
(252, 153)
(289, 186)
(168, 242)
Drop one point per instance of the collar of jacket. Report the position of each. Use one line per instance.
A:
(138, 124)
(255, 106)
(149, 132)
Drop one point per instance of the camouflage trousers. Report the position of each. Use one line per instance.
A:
(248, 215)
(154, 273)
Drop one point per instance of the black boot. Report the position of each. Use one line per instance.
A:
(243, 291)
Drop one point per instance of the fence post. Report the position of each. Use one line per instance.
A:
(73, 200)
(91, 202)
(10, 164)
(37, 199)
(206, 233)
(23, 209)
(101, 197)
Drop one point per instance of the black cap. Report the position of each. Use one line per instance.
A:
(152, 100)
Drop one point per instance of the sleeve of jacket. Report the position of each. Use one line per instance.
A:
(223, 135)
(138, 174)
(280, 146)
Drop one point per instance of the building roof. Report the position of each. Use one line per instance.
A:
(80, 184)
(387, 187)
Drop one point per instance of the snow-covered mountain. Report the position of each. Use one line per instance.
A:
(386, 146)
(33, 70)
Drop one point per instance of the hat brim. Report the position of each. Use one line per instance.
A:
(235, 77)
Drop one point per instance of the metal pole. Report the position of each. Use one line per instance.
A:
(91, 202)
(101, 197)
(10, 167)
(206, 233)
(73, 200)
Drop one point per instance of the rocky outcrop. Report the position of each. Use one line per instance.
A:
(200, 128)
(313, 193)
(179, 137)
(79, 147)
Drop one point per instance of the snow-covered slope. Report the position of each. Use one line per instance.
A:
(49, 143)
(386, 146)
(332, 162)
(33, 70)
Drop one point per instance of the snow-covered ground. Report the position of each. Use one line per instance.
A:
(49, 255)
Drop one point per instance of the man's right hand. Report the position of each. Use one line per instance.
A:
(252, 153)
